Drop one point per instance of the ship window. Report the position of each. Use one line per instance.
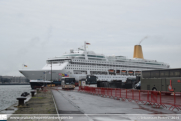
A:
(155, 74)
(146, 74)
(164, 73)
(174, 73)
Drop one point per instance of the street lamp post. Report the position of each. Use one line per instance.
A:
(51, 70)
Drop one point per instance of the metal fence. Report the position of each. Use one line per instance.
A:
(169, 100)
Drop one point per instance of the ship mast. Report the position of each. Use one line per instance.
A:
(85, 46)
(85, 52)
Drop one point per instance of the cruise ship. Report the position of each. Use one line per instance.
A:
(80, 62)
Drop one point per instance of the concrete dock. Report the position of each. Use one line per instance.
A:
(79, 106)
(41, 103)
(93, 107)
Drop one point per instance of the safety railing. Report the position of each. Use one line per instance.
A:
(170, 100)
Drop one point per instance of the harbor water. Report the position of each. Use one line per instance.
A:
(9, 93)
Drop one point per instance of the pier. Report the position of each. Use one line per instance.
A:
(83, 106)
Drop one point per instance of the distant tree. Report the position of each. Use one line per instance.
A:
(5, 80)
(1, 79)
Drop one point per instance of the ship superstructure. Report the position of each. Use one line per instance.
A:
(79, 63)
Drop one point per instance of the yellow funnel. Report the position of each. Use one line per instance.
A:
(138, 52)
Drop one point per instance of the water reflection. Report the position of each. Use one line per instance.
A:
(9, 93)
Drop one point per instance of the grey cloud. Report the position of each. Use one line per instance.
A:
(50, 28)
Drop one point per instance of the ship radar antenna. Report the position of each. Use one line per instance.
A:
(142, 40)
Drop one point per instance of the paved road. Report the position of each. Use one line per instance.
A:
(64, 105)
(96, 108)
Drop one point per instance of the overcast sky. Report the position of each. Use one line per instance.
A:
(32, 31)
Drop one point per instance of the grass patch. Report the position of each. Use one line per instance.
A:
(38, 97)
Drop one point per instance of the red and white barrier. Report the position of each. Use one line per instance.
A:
(170, 100)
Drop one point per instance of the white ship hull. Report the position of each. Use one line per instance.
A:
(78, 64)
(42, 75)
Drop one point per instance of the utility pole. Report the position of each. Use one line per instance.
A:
(45, 75)
(45, 78)
(51, 70)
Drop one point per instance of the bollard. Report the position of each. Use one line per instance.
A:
(42, 88)
(37, 90)
(32, 93)
(21, 101)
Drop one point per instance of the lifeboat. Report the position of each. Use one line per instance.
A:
(117, 71)
(111, 70)
(123, 71)
(138, 72)
(131, 72)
